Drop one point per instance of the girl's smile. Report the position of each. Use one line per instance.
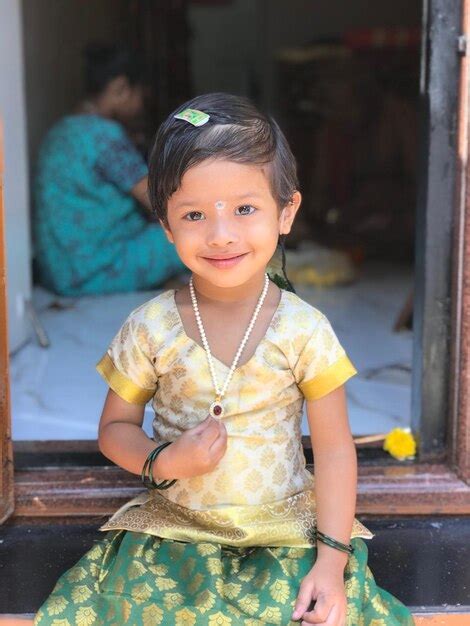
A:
(226, 262)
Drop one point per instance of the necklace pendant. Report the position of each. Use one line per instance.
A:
(216, 409)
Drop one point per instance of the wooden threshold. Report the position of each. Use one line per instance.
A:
(422, 489)
(442, 619)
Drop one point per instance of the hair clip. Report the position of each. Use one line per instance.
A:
(193, 116)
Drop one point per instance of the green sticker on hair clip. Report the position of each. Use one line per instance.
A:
(193, 116)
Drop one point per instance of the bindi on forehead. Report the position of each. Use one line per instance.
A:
(219, 205)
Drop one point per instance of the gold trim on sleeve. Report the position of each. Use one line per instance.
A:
(328, 380)
(125, 388)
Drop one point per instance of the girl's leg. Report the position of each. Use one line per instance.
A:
(13, 620)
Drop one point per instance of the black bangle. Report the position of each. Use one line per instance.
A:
(148, 468)
(333, 543)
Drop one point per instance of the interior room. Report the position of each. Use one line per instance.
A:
(343, 82)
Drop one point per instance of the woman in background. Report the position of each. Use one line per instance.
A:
(91, 232)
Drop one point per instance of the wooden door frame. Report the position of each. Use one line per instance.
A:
(440, 484)
(6, 452)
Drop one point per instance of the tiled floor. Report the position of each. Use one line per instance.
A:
(56, 393)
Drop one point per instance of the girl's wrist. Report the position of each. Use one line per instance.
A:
(161, 468)
(332, 557)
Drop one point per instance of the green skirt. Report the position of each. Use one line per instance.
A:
(142, 580)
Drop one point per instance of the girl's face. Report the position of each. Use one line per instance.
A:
(225, 222)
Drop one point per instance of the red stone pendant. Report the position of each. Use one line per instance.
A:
(216, 409)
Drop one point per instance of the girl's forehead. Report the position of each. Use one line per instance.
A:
(221, 181)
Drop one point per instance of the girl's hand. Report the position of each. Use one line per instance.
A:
(325, 585)
(197, 451)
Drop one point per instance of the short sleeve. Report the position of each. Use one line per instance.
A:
(118, 161)
(323, 364)
(127, 366)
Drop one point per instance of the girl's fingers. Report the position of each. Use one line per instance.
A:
(304, 600)
(219, 445)
(334, 617)
(321, 613)
(202, 425)
(210, 431)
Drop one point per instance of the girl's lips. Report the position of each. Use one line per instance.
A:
(225, 263)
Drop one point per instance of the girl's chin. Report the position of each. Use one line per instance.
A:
(225, 280)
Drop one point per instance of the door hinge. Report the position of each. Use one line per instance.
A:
(462, 45)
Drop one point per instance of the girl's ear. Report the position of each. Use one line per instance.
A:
(288, 213)
(167, 230)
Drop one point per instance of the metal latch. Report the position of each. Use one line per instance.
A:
(462, 45)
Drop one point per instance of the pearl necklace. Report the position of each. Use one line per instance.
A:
(216, 409)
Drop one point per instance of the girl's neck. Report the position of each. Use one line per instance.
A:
(208, 293)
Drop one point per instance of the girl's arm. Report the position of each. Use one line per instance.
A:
(335, 462)
(120, 435)
(122, 439)
(335, 469)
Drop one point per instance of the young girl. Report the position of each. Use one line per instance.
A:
(231, 530)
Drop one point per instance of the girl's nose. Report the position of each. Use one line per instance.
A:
(222, 232)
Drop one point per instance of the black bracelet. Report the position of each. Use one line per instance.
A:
(148, 468)
(333, 543)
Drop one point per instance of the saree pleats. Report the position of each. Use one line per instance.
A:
(140, 579)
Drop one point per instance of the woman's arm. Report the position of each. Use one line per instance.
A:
(335, 462)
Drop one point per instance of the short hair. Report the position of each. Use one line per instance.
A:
(105, 62)
(236, 131)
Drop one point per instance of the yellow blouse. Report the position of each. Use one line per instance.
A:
(261, 492)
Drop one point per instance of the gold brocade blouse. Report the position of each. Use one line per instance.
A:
(261, 492)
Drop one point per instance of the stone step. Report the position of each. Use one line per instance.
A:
(422, 561)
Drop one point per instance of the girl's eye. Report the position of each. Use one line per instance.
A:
(246, 209)
(194, 216)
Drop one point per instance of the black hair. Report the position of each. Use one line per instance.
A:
(236, 131)
(104, 62)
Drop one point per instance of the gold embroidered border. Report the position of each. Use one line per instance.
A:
(334, 376)
(125, 388)
(287, 522)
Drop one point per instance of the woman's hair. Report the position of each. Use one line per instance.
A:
(105, 62)
(236, 131)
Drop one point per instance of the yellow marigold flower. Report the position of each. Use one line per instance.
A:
(400, 443)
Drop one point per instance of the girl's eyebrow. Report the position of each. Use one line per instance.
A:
(249, 194)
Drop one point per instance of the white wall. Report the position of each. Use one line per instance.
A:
(12, 111)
